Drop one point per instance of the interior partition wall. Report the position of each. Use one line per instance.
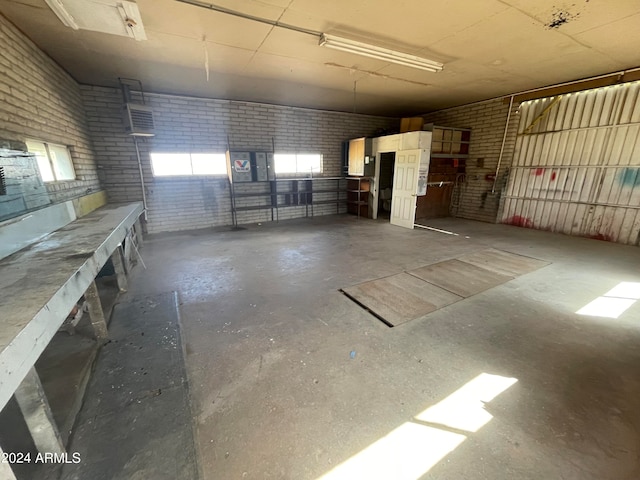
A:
(576, 165)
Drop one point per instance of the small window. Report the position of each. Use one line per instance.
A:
(54, 161)
(183, 164)
(297, 163)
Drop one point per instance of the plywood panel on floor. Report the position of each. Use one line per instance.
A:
(400, 298)
(502, 262)
(462, 278)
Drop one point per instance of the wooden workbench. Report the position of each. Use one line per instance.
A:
(40, 284)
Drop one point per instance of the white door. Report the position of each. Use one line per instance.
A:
(405, 184)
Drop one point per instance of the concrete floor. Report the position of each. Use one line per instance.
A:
(276, 393)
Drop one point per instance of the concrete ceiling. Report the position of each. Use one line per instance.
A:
(489, 48)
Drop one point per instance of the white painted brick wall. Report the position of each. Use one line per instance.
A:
(208, 125)
(487, 122)
(39, 100)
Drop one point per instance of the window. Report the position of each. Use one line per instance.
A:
(54, 161)
(176, 164)
(298, 163)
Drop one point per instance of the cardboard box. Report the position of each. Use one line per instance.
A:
(411, 124)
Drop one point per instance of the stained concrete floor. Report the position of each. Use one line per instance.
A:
(289, 378)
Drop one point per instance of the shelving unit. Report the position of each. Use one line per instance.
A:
(358, 189)
(448, 142)
(280, 193)
(449, 154)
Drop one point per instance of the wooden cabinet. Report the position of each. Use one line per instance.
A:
(356, 157)
(359, 156)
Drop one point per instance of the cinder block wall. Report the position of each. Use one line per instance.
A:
(185, 124)
(39, 100)
(487, 122)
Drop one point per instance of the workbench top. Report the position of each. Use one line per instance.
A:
(40, 284)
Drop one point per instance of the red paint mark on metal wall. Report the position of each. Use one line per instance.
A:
(538, 172)
(602, 236)
(519, 221)
(553, 176)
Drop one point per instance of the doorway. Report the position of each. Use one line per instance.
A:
(387, 166)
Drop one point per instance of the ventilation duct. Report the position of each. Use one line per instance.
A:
(137, 116)
(138, 120)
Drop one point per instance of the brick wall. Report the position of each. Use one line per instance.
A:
(186, 124)
(487, 122)
(39, 100)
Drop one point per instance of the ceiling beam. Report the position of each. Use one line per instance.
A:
(596, 82)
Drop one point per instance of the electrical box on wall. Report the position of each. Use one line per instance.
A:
(264, 166)
(250, 166)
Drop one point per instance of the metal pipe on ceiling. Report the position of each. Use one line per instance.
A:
(235, 13)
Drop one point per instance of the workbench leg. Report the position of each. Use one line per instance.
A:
(96, 312)
(37, 414)
(127, 250)
(5, 469)
(118, 266)
(138, 228)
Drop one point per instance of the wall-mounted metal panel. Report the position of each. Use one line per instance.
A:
(240, 166)
(23, 189)
(576, 166)
(264, 170)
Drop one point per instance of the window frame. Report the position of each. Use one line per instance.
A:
(299, 172)
(191, 165)
(52, 160)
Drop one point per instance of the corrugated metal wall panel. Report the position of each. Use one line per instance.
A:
(576, 166)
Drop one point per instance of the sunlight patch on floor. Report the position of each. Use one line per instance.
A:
(412, 449)
(464, 409)
(613, 303)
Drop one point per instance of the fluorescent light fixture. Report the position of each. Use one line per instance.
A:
(371, 51)
(65, 17)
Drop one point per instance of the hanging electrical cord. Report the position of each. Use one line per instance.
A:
(206, 56)
(355, 82)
